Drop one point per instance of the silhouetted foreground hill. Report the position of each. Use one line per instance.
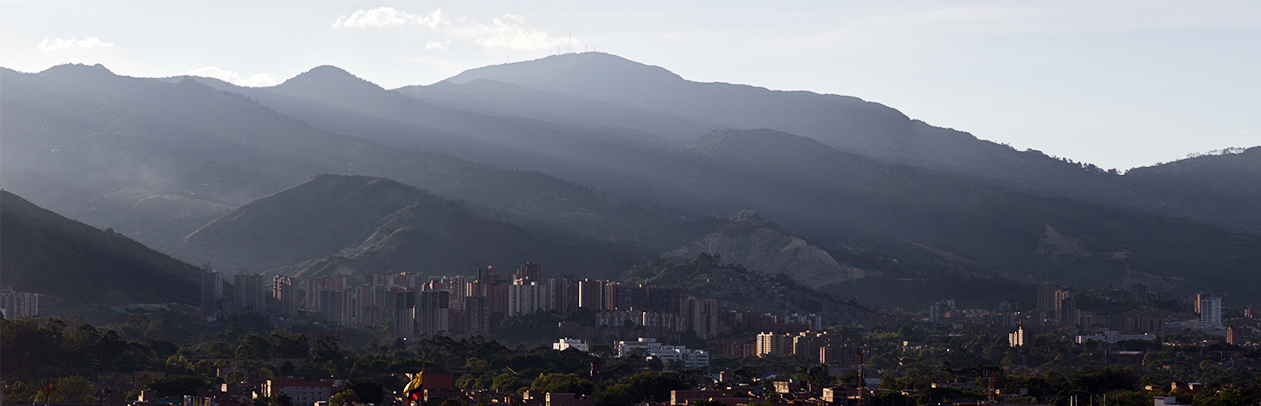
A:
(360, 224)
(50, 254)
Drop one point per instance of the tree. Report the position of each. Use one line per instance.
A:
(652, 387)
(73, 389)
(506, 382)
(563, 383)
(326, 348)
(254, 347)
(367, 390)
(344, 398)
(177, 385)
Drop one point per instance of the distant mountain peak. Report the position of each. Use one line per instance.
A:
(578, 67)
(328, 78)
(77, 71)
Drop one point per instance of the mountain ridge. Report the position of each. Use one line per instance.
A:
(228, 145)
(47, 253)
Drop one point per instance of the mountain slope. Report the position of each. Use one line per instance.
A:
(99, 144)
(1220, 188)
(50, 254)
(760, 245)
(370, 224)
(505, 99)
(846, 123)
(916, 213)
(93, 145)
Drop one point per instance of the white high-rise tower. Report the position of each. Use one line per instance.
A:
(1211, 311)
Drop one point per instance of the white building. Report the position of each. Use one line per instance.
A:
(1166, 401)
(1017, 338)
(1113, 337)
(526, 297)
(1211, 311)
(567, 343)
(666, 353)
(18, 304)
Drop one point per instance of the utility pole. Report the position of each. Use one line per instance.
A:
(990, 374)
(862, 376)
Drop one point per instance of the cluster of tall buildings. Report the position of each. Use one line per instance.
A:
(415, 305)
(825, 347)
(1058, 304)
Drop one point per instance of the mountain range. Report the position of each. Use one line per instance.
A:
(590, 162)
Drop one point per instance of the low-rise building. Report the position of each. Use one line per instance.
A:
(567, 399)
(1113, 337)
(666, 353)
(1166, 401)
(567, 343)
(302, 392)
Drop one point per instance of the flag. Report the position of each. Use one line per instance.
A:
(415, 388)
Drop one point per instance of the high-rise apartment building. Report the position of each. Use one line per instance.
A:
(1211, 311)
(1046, 301)
(702, 317)
(773, 344)
(211, 289)
(317, 284)
(432, 311)
(285, 294)
(562, 294)
(1199, 297)
(591, 294)
(250, 292)
(476, 320)
(1138, 293)
(19, 304)
(529, 272)
(526, 297)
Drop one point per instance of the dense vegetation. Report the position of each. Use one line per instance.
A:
(1053, 369)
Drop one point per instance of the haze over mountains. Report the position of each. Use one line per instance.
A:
(588, 163)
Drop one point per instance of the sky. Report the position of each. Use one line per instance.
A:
(1119, 84)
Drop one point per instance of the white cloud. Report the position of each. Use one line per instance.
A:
(507, 32)
(60, 44)
(258, 80)
(510, 32)
(386, 17)
(438, 45)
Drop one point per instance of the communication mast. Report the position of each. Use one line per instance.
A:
(989, 373)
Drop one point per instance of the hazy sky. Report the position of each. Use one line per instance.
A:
(1119, 84)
